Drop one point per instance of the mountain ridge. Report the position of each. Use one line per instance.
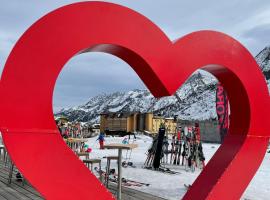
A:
(195, 100)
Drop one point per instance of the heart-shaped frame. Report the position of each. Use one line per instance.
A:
(30, 73)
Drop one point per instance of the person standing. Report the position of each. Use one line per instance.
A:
(101, 140)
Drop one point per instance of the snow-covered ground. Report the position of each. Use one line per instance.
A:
(172, 186)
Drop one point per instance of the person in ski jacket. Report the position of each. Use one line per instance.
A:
(125, 141)
(101, 140)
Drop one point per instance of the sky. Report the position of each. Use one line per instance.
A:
(90, 74)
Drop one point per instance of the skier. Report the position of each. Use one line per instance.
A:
(101, 140)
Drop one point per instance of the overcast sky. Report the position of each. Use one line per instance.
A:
(93, 73)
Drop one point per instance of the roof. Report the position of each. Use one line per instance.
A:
(169, 118)
(60, 117)
(119, 114)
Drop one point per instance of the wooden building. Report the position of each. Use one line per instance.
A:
(121, 123)
(169, 123)
(118, 122)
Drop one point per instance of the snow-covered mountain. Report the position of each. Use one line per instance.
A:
(194, 100)
(263, 60)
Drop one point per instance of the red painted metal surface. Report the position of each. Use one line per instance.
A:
(30, 73)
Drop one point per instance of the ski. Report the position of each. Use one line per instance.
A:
(128, 164)
(179, 153)
(172, 150)
(176, 152)
(113, 177)
(132, 181)
(163, 170)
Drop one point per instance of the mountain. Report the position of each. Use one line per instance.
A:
(194, 100)
(263, 60)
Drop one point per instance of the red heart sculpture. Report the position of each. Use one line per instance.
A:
(29, 76)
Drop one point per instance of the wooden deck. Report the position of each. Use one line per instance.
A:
(15, 190)
(132, 194)
(18, 191)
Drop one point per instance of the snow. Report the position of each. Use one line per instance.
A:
(172, 186)
(116, 109)
(263, 59)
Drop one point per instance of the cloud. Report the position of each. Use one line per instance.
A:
(90, 74)
(257, 36)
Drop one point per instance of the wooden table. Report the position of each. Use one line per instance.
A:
(72, 142)
(85, 154)
(120, 147)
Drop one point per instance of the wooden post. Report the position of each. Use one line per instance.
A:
(119, 192)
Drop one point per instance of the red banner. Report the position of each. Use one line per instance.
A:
(222, 111)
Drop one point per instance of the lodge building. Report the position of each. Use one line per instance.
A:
(131, 122)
